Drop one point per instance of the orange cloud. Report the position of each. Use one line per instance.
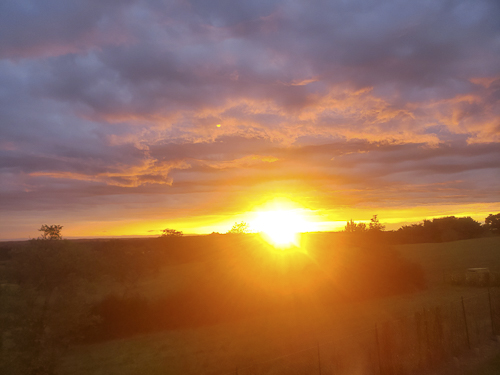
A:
(151, 172)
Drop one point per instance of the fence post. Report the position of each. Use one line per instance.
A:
(492, 318)
(439, 330)
(418, 325)
(466, 326)
(378, 350)
(428, 348)
(319, 361)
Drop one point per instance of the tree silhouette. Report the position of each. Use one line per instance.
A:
(492, 223)
(50, 232)
(352, 227)
(239, 228)
(375, 225)
(449, 228)
(171, 233)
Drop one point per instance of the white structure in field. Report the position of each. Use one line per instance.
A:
(477, 276)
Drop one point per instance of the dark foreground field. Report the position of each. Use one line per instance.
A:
(221, 304)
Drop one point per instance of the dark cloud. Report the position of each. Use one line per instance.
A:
(395, 42)
(30, 28)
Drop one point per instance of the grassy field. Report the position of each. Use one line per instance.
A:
(492, 367)
(440, 259)
(221, 348)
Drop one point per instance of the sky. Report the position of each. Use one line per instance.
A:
(125, 117)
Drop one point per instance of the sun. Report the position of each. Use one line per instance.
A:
(280, 227)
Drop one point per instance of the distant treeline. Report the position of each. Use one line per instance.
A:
(443, 229)
(446, 229)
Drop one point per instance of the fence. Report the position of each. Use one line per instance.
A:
(409, 345)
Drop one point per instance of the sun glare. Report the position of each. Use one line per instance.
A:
(280, 227)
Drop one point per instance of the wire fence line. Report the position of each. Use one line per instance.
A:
(405, 345)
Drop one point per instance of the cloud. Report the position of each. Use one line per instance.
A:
(380, 102)
(31, 29)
